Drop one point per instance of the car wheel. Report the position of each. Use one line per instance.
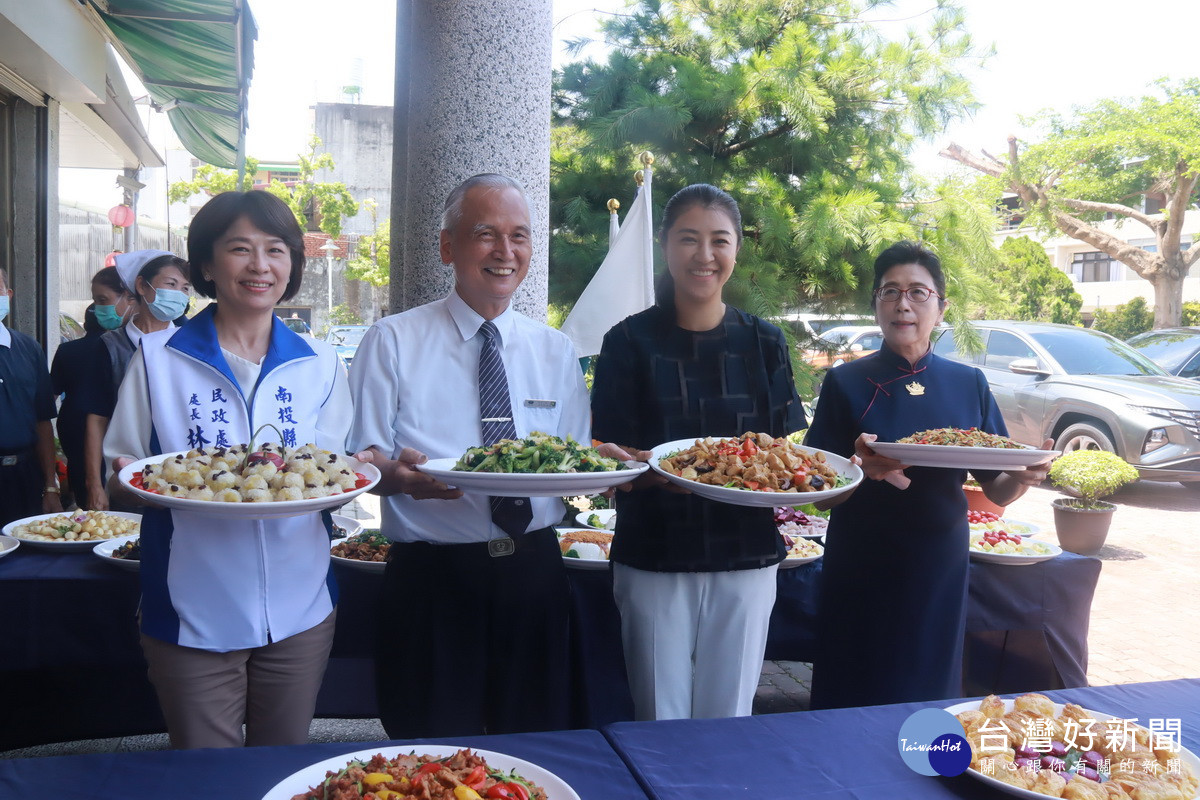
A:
(1082, 436)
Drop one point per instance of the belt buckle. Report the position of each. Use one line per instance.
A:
(9, 461)
(504, 546)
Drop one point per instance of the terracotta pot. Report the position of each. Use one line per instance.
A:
(977, 501)
(1082, 530)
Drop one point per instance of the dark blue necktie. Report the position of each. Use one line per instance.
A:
(511, 514)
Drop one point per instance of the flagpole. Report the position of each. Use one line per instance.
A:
(614, 224)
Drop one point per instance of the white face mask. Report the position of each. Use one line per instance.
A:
(3, 306)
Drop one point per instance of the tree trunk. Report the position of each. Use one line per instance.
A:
(1168, 298)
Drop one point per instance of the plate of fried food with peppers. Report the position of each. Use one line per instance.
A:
(755, 469)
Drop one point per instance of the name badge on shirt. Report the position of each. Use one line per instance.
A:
(541, 403)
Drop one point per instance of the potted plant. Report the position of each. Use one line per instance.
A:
(1082, 521)
(978, 501)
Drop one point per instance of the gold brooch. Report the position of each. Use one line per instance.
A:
(915, 389)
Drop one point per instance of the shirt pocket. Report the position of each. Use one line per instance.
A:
(534, 414)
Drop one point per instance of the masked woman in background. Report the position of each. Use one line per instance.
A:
(156, 293)
(75, 376)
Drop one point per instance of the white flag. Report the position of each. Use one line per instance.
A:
(623, 285)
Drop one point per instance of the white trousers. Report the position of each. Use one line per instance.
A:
(694, 641)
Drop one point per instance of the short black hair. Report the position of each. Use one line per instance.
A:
(265, 211)
(110, 279)
(910, 253)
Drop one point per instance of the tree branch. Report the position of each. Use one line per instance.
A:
(1177, 205)
(734, 149)
(1143, 263)
(1155, 225)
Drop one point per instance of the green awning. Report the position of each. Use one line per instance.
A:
(195, 57)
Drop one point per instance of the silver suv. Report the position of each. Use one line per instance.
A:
(1087, 390)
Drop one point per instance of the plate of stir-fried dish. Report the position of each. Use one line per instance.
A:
(538, 465)
(433, 772)
(755, 469)
(958, 448)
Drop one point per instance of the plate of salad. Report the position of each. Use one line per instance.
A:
(755, 469)
(603, 519)
(538, 465)
(962, 448)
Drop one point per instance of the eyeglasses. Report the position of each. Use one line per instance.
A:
(917, 294)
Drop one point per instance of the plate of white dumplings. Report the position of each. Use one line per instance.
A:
(273, 481)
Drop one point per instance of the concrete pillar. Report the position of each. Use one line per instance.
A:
(34, 165)
(472, 95)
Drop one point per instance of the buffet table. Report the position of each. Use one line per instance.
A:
(842, 753)
(70, 641)
(581, 758)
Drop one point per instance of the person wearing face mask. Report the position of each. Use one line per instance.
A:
(28, 484)
(79, 366)
(155, 291)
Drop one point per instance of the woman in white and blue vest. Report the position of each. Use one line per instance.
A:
(237, 615)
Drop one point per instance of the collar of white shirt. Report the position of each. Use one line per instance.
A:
(5, 336)
(468, 321)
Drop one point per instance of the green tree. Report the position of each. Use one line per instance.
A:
(1103, 160)
(1191, 313)
(373, 257)
(1029, 287)
(332, 202)
(799, 109)
(1126, 319)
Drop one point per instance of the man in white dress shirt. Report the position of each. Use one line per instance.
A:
(476, 637)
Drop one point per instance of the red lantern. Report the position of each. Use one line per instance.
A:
(111, 261)
(120, 216)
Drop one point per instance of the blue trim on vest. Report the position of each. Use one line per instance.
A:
(331, 585)
(198, 339)
(159, 618)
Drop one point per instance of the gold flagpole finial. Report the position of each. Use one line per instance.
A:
(639, 177)
(613, 205)
(647, 158)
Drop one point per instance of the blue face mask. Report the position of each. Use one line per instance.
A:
(3, 306)
(168, 304)
(108, 317)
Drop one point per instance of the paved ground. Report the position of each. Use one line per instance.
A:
(1145, 615)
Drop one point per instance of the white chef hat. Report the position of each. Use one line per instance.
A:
(130, 264)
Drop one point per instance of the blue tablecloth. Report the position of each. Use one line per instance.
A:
(70, 640)
(841, 753)
(581, 758)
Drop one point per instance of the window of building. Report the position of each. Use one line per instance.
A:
(1095, 266)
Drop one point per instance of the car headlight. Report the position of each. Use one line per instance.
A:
(1190, 420)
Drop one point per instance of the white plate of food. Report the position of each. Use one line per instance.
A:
(795, 523)
(366, 476)
(584, 548)
(800, 551)
(8, 544)
(299, 783)
(1015, 526)
(984, 717)
(514, 484)
(365, 550)
(602, 519)
(962, 456)
(1005, 550)
(108, 551)
(51, 531)
(349, 525)
(842, 471)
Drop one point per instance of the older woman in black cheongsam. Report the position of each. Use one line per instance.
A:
(694, 579)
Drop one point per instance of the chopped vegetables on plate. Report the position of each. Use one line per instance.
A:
(537, 453)
(959, 437)
(755, 462)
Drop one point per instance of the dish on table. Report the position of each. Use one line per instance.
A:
(8, 544)
(584, 548)
(847, 475)
(111, 550)
(111, 524)
(999, 547)
(299, 783)
(981, 721)
(132, 477)
(366, 550)
(605, 519)
(515, 484)
(800, 551)
(795, 523)
(960, 457)
(980, 521)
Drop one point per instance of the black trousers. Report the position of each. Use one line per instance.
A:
(473, 644)
(20, 489)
